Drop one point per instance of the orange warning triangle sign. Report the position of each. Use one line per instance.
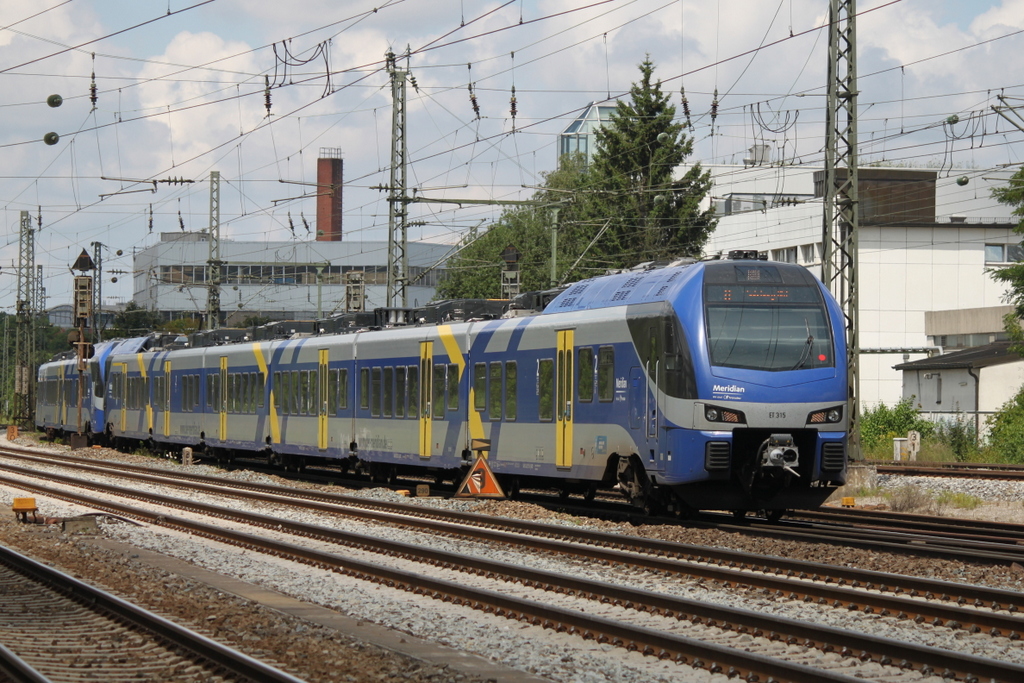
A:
(480, 482)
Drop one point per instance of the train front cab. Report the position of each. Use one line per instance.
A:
(771, 414)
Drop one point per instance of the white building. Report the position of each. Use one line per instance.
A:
(278, 280)
(926, 243)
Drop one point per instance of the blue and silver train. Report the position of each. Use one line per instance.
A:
(700, 385)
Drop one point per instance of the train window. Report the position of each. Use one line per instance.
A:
(332, 392)
(313, 397)
(209, 391)
(161, 393)
(237, 393)
(546, 389)
(294, 406)
(375, 392)
(605, 373)
(494, 392)
(261, 384)
(414, 392)
(585, 387)
(275, 392)
(437, 396)
(400, 391)
(343, 388)
(453, 387)
(306, 391)
(480, 386)
(286, 393)
(364, 388)
(389, 388)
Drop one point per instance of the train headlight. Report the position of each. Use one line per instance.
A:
(716, 414)
(827, 415)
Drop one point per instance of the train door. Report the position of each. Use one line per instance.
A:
(321, 431)
(120, 385)
(654, 368)
(637, 398)
(426, 376)
(563, 399)
(221, 398)
(62, 405)
(166, 398)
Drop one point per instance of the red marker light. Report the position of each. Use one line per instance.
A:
(821, 356)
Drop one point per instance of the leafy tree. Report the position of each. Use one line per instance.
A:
(133, 321)
(181, 325)
(626, 208)
(1013, 275)
(651, 214)
(252, 321)
(475, 272)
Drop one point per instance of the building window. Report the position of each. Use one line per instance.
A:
(786, 255)
(810, 253)
(1003, 253)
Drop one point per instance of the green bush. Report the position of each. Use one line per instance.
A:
(959, 435)
(881, 424)
(1006, 430)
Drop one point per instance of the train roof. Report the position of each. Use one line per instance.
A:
(644, 284)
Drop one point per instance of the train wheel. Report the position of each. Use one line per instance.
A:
(590, 493)
(739, 515)
(564, 493)
(774, 515)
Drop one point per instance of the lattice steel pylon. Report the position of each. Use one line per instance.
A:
(214, 262)
(23, 406)
(841, 202)
(398, 201)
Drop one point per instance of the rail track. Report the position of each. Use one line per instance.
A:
(950, 469)
(57, 628)
(865, 592)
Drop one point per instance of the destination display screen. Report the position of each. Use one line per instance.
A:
(761, 293)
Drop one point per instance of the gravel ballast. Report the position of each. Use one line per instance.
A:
(528, 648)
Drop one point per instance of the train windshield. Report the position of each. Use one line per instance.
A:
(768, 326)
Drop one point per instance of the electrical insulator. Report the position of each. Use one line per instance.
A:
(266, 93)
(714, 108)
(512, 104)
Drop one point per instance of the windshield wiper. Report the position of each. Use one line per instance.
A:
(808, 347)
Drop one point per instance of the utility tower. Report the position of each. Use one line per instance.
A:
(214, 262)
(398, 201)
(23, 407)
(841, 202)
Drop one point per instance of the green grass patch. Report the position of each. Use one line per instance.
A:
(961, 501)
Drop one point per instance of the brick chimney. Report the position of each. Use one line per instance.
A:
(328, 201)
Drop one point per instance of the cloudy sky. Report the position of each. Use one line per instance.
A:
(181, 91)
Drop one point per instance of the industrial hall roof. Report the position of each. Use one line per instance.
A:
(996, 353)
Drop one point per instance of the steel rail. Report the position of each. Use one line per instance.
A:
(15, 669)
(847, 643)
(482, 527)
(221, 656)
(967, 529)
(681, 649)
